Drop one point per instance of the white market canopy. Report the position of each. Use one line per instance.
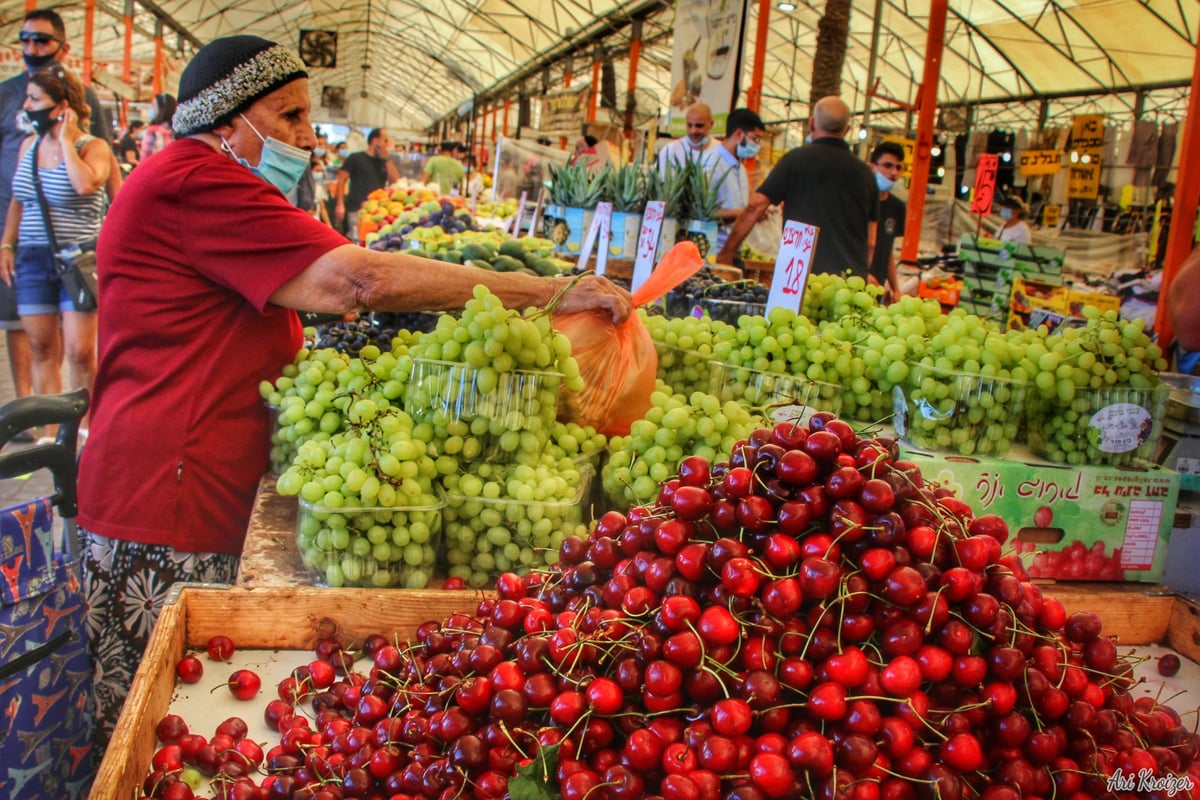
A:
(408, 64)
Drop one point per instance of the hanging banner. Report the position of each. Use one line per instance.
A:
(706, 59)
(1087, 135)
(565, 111)
(1039, 162)
(985, 183)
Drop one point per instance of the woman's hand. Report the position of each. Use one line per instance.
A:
(6, 266)
(597, 293)
(68, 130)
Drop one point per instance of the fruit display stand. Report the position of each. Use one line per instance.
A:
(257, 619)
(295, 618)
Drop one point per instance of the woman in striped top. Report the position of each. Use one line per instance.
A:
(73, 168)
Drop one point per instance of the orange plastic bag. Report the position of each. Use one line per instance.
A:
(618, 362)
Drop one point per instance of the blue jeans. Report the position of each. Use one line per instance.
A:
(39, 289)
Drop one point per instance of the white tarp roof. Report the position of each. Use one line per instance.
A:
(427, 58)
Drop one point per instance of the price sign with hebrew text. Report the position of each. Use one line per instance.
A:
(796, 250)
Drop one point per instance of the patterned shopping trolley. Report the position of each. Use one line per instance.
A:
(45, 671)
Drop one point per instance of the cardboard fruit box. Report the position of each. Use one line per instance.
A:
(1070, 523)
(295, 618)
(256, 619)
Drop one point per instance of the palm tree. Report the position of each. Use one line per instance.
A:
(833, 31)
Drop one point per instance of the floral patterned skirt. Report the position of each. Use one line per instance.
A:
(126, 584)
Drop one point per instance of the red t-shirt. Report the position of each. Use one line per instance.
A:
(188, 256)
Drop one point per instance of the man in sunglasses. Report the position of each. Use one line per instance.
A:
(43, 42)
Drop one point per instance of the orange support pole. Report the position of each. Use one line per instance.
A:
(754, 95)
(635, 54)
(89, 32)
(1181, 237)
(127, 60)
(594, 102)
(507, 103)
(160, 61)
(30, 5)
(927, 103)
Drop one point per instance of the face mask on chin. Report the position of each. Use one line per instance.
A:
(748, 149)
(34, 63)
(1006, 213)
(281, 164)
(883, 182)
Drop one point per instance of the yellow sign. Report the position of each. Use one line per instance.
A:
(1087, 134)
(1040, 162)
(1083, 181)
(910, 150)
(1051, 216)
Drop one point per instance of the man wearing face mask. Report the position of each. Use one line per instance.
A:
(887, 162)
(365, 171)
(743, 140)
(43, 42)
(205, 286)
(696, 145)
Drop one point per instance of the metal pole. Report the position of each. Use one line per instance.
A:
(871, 62)
(754, 95)
(925, 119)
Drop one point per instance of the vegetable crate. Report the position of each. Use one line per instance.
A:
(256, 619)
(295, 618)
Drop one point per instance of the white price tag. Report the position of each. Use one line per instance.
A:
(647, 246)
(516, 222)
(792, 265)
(599, 235)
(534, 230)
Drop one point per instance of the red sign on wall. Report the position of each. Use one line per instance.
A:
(985, 183)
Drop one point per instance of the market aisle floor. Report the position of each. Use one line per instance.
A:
(29, 487)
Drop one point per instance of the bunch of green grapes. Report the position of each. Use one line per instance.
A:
(685, 349)
(882, 341)
(1098, 397)
(674, 427)
(831, 297)
(960, 411)
(369, 513)
(309, 400)
(492, 375)
(511, 518)
(579, 443)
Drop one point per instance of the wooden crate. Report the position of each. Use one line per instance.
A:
(295, 618)
(259, 619)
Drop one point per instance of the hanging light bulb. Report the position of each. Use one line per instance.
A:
(935, 151)
(941, 172)
(786, 6)
(862, 134)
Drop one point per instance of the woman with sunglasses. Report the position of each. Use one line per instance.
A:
(72, 167)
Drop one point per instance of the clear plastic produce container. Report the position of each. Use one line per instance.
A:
(1113, 426)
(507, 413)
(281, 450)
(487, 536)
(685, 371)
(374, 547)
(779, 393)
(949, 411)
(729, 310)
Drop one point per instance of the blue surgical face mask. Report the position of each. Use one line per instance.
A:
(748, 149)
(1006, 213)
(884, 183)
(319, 152)
(703, 142)
(281, 164)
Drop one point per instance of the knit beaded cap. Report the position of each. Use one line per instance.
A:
(226, 76)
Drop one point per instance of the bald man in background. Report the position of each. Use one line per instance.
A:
(823, 184)
(696, 145)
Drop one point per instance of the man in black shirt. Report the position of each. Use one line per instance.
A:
(825, 185)
(887, 161)
(365, 171)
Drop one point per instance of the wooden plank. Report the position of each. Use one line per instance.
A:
(270, 556)
(1132, 613)
(1183, 631)
(127, 760)
(296, 617)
